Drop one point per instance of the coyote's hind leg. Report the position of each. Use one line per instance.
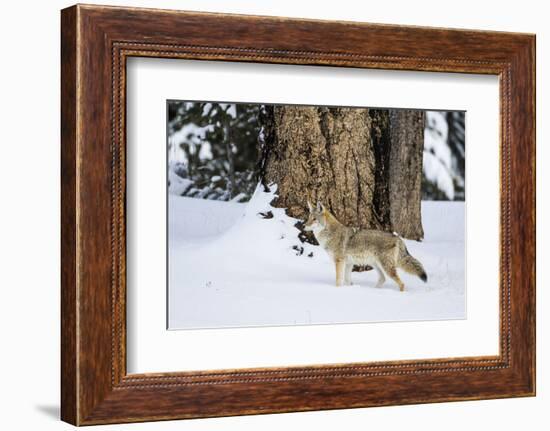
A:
(392, 273)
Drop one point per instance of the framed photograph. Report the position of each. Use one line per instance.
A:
(272, 206)
(264, 215)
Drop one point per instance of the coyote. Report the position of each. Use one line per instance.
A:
(349, 246)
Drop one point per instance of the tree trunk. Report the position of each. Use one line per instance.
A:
(405, 194)
(360, 163)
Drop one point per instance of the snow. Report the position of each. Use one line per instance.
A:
(229, 266)
(437, 173)
(178, 185)
(194, 136)
(437, 160)
(230, 109)
(196, 221)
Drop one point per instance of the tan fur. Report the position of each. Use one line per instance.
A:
(348, 246)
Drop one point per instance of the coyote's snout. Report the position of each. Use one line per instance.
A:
(348, 246)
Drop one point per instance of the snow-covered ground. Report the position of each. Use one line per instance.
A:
(229, 266)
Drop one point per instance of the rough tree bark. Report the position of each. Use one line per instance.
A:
(365, 165)
(405, 165)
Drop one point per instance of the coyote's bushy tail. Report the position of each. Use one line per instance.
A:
(411, 265)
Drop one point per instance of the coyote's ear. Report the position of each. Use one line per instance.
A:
(320, 206)
(309, 206)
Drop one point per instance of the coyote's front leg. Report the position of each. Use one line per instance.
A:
(339, 271)
(347, 276)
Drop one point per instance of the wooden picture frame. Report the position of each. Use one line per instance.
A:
(95, 43)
